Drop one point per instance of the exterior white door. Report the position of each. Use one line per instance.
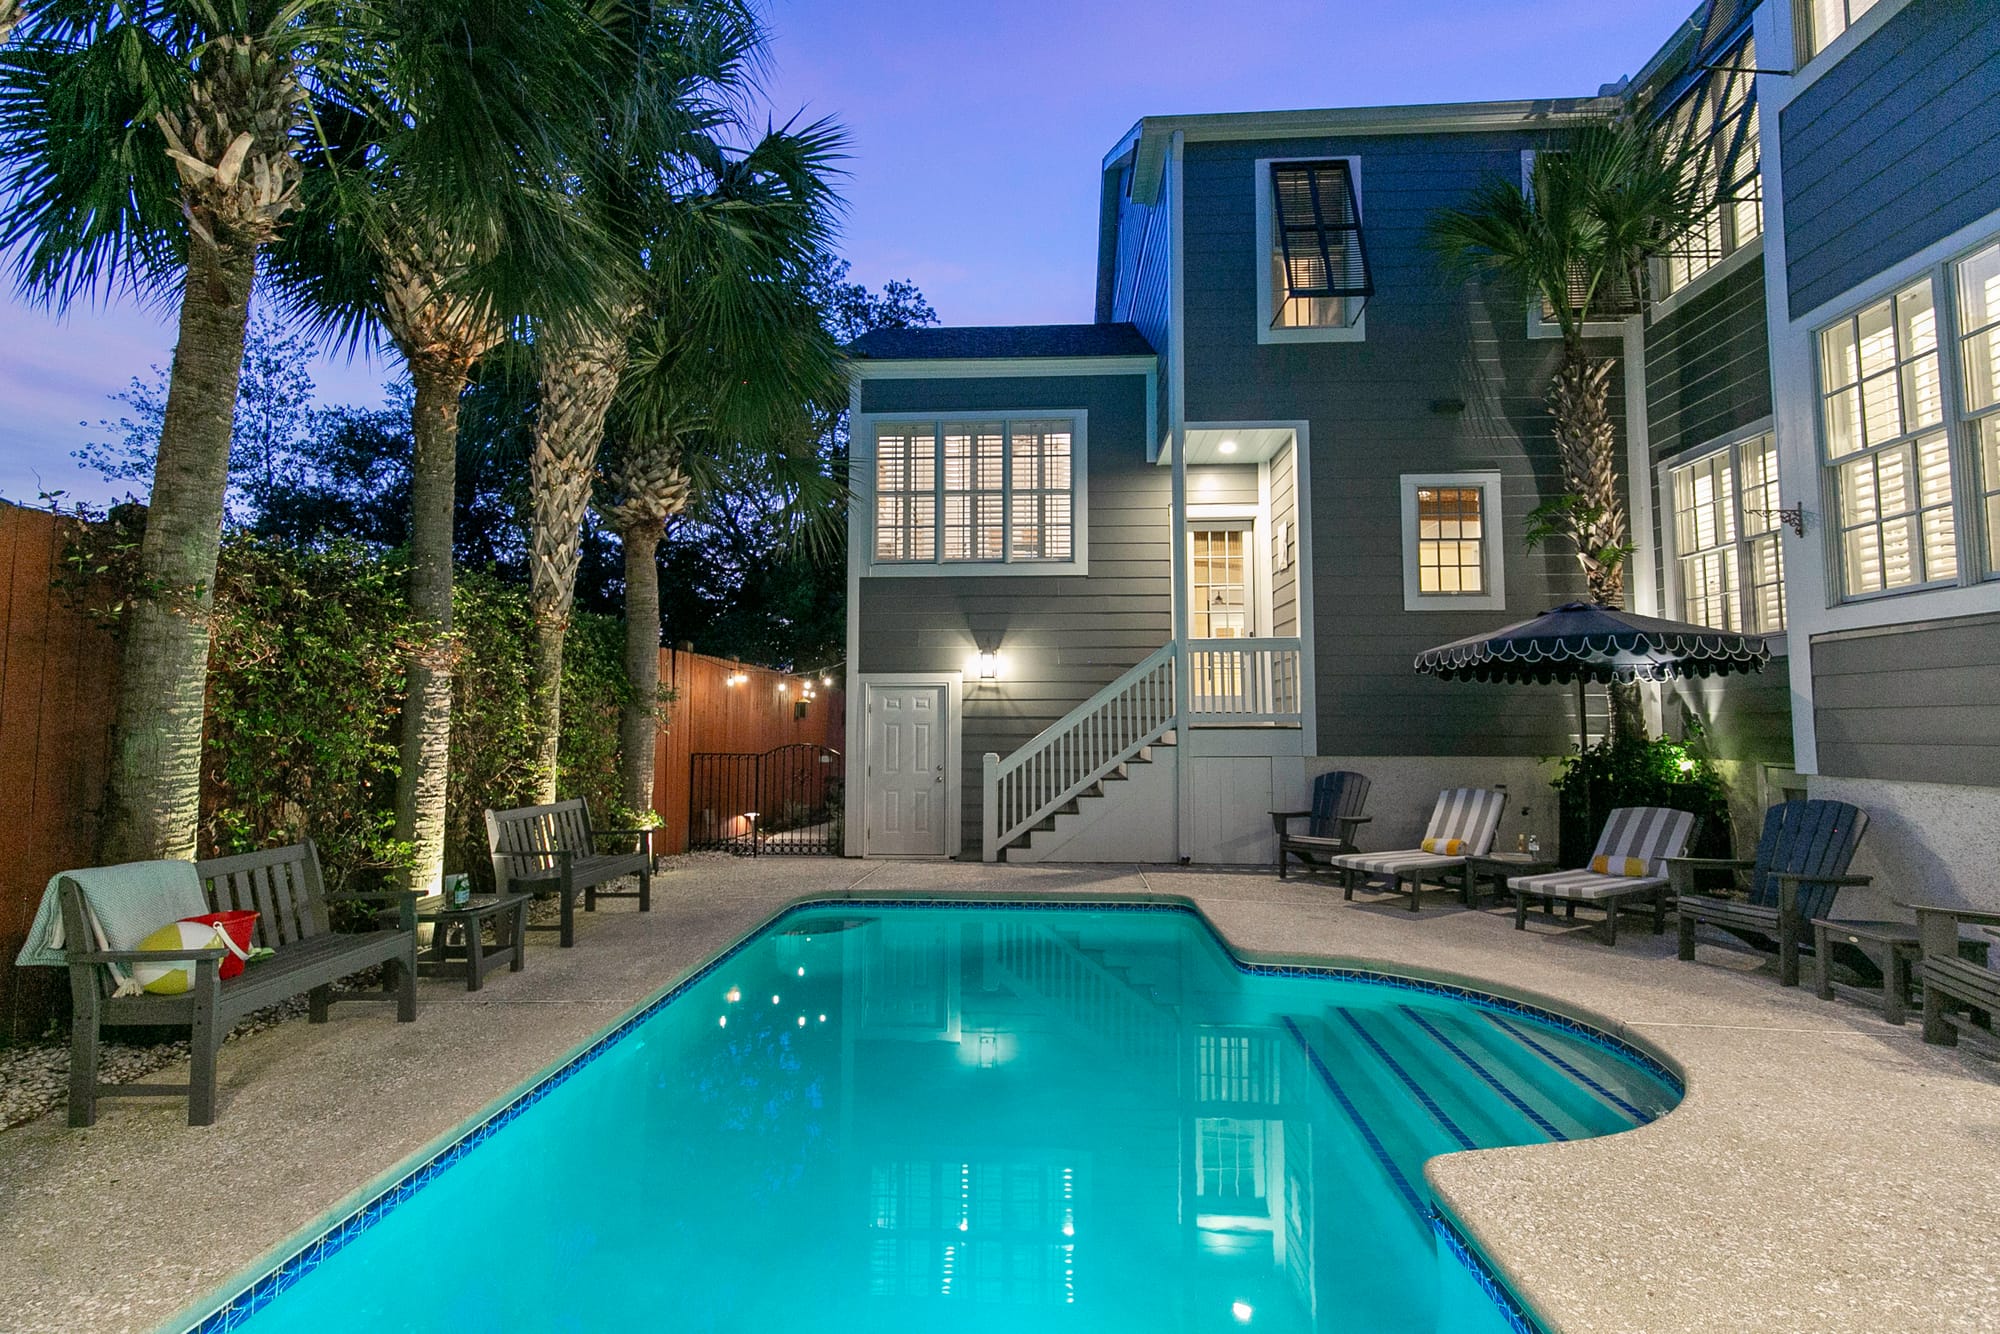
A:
(906, 785)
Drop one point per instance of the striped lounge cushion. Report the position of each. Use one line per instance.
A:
(1583, 885)
(1638, 839)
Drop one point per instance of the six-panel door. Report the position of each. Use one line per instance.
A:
(906, 779)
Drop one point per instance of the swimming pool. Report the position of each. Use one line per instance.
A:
(979, 1118)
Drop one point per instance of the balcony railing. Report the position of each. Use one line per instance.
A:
(1245, 681)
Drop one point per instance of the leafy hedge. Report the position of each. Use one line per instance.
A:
(305, 682)
(1658, 772)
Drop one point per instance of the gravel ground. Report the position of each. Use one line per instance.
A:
(34, 1077)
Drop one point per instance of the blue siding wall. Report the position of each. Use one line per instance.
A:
(1064, 635)
(1369, 406)
(1892, 149)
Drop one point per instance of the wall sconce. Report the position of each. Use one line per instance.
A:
(985, 667)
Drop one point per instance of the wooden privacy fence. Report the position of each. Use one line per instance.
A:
(710, 717)
(58, 696)
(58, 693)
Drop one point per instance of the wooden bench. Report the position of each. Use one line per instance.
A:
(284, 887)
(555, 847)
(1953, 982)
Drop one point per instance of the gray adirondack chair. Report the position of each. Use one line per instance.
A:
(1337, 801)
(1801, 865)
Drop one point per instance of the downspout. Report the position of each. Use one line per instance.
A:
(1177, 431)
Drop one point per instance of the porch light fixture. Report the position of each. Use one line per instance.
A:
(989, 666)
(1227, 447)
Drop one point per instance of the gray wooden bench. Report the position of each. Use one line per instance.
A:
(1953, 982)
(555, 847)
(284, 887)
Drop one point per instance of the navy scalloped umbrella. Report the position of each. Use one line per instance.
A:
(1585, 641)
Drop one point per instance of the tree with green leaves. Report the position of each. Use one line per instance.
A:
(434, 216)
(729, 367)
(150, 146)
(1578, 239)
(686, 71)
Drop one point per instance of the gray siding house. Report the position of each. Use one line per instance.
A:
(1292, 454)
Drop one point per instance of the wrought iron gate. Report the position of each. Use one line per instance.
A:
(787, 801)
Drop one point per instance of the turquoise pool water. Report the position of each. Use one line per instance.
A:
(965, 1119)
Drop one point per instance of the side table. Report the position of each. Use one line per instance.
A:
(1891, 946)
(1497, 867)
(470, 957)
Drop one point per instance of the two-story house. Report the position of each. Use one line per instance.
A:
(1294, 453)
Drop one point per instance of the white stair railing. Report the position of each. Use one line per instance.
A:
(1091, 740)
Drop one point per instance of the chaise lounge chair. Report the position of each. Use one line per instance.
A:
(1462, 825)
(1801, 865)
(1628, 867)
(1337, 800)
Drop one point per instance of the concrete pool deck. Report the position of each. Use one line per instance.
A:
(1827, 1171)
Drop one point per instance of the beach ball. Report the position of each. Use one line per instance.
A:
(173, 979)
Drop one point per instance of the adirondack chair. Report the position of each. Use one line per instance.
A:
(284, 887)
(1953, 982)
(1337, 802)
(1635, 839)
(1800, 866)
(1462, 825)
(556, 847)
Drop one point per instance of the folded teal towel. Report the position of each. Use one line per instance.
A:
(127, 903)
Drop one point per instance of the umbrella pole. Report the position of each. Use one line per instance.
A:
(1582, 720)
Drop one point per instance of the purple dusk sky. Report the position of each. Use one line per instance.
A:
(978, 127)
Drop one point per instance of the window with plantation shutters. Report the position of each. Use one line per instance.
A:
(1319, 266)
(970, 493)
(1729, 557)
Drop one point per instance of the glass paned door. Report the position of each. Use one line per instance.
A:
(1220, 593)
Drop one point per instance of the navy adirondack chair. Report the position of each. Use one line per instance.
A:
(1337, 801)
(1801, 865)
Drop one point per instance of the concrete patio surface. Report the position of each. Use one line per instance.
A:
(1827, 1171)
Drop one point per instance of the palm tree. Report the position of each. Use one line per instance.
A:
(686, 68)
(434, 216)
(1578, 240)
(728, 374)
(151, 143)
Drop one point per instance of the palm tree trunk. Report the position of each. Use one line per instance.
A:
(154, 801)
(426, 744)
(639, 719)
(1587, 441)
(579, 379)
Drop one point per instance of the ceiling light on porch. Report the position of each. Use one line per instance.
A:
(1226, 447)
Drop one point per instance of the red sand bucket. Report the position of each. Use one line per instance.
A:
(236, 928)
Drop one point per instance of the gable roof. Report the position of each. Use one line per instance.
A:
(1001, 341)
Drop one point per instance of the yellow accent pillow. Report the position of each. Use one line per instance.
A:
(1444, 847)
(1626, 866)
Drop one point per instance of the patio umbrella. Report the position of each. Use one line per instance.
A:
(1584, 641)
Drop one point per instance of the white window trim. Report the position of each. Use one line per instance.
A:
(861, 474)
(1670, 530)
(1537, 326)
(1968, 521)
(1711, 276)
(1356, 332)
(1493, 543)
(1808, 73)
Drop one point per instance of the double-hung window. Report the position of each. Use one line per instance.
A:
(1451, 552)
(973, 492)
(1979, 356)
(1883, 423)
(1726, 540)
(1821, 21)
(1716, 125)
(1317, 267)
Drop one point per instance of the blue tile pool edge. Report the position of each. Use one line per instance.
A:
(261, 1282)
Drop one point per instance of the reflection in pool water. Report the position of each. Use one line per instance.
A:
(984, 1120)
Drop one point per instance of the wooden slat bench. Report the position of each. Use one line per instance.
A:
(1953, 982)
(555, 847)
(284, 887)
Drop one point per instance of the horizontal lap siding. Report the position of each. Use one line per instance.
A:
(1064, 636)
(1285, 572)
(1369, 408)
(1916, 703)
(1892, 149)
